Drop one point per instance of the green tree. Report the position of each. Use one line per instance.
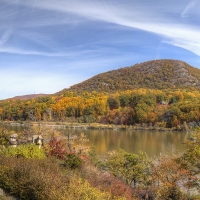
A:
(161, 97)
(113, 103)
(132, 168)
(190, 160)
(124, 100)
(141, 113)
(70, 111)
(89, 111)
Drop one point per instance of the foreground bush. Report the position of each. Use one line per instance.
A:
(73, 161)
(25, 151)
(106, 182)
(170, 180)
(4, 138)
(42, 179)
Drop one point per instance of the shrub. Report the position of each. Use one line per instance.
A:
(57, 148)
(26, 151)
(4, 137)
(96, 161)
(82, 190)
(73, 161)
(33, 179)
(169, 178)
(106, 182)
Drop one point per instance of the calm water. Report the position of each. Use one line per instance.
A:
(131, 141)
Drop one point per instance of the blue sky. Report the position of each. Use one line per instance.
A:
(48, 45)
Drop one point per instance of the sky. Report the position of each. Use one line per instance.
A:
(48, 45)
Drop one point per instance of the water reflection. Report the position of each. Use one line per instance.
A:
(131, 141)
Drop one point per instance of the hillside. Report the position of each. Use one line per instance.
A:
(155, 74)
(26, 97)
(29, 96)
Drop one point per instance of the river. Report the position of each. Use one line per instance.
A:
(153, 143)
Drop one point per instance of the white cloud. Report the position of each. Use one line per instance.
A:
(177, 35)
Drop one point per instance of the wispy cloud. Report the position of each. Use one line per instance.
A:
(127, 14)
(14, 50)
(5, 37)
(189, 8)
(68, 53)
(158, 51)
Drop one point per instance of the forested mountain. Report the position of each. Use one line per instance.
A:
(162, 92)
(155, 74)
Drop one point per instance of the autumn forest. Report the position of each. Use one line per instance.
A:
(167, 107)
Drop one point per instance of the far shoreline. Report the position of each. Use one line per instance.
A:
(95, 126)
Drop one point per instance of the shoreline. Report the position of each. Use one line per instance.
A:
(96, 126)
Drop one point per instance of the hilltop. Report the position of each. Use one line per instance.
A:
(155, 74)
(29, 96)
(26, 97)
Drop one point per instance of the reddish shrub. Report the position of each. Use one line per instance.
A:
(57, 148)
(106, 182)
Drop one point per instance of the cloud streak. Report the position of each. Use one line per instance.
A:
(187, 11)
(5, 37)
(176, 33)
(68, 53)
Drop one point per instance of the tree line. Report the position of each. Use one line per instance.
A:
(169, 108)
